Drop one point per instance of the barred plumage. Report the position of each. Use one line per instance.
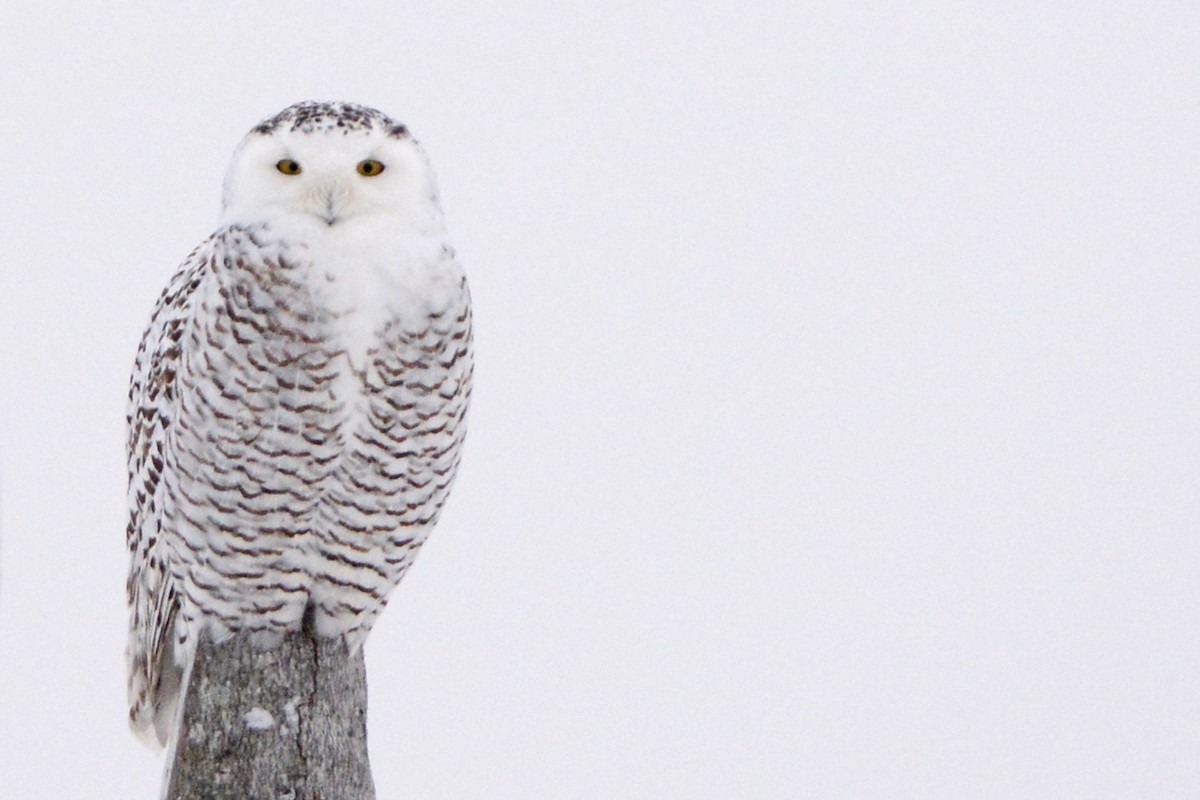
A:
(298, 403)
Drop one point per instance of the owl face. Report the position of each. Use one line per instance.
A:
(331, 165)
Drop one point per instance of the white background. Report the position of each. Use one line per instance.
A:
(836, 420)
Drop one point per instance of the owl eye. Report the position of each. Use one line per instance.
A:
(288, 167)
(370, 168)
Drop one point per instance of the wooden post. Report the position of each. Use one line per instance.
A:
(288, 723)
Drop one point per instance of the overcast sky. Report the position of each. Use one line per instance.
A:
(835, 430)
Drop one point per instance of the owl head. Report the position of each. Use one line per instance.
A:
(331, 165)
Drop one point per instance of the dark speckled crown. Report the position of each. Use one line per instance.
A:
(312, 117)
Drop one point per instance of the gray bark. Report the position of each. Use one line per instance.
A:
(313, 744)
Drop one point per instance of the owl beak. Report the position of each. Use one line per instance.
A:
(328, 207)
(328, 210)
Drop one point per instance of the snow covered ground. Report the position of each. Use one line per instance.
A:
(836, 427)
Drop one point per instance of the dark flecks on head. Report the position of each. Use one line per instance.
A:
(310, 117)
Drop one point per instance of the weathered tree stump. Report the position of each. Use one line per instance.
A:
(289, 723)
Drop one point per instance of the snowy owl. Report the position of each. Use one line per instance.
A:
(298, 402)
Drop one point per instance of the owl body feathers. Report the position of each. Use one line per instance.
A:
(296, 418)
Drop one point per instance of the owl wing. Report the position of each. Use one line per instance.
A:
(154, 675)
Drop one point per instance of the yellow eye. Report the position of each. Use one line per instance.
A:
(370, 168)
(288, 167)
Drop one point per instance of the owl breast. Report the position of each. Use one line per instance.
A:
(320, 424)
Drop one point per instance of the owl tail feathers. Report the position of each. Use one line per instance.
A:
(169, 696)
(153, 713)
(141, 722)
